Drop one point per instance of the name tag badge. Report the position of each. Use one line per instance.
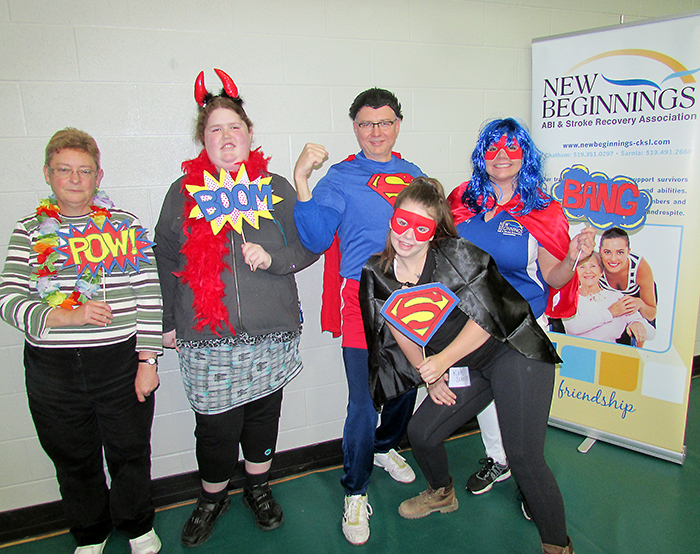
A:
(459, 377)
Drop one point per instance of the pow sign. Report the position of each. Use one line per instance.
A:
(233, 200)
(419, 311)
(104, 247)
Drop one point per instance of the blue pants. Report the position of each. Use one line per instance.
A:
(361, 436)
(83, 400)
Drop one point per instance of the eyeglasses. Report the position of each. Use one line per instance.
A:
(383, 124)
(63, 172)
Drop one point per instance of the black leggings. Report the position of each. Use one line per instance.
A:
(254, 426)
(522, 390)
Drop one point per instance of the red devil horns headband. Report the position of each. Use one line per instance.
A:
(202, 95)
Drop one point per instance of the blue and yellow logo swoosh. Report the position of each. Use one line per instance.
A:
(678, 69)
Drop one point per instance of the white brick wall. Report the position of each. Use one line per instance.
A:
(123, 70)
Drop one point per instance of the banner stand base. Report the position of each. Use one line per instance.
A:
(586, 445)
(595, 434)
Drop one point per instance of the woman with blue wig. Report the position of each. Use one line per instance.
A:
(505, 210)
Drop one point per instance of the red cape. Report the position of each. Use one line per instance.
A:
(332, 282)
(550, 228)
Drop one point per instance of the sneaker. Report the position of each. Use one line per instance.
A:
(356, 512)
(268, 514)
(524, 506)
(442, 500)
(200, 526)
(148, 543)
(91, 548)
(491, 472)
(396, 465)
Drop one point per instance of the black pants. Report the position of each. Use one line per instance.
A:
(83, 400)
(522, 389)
(254, 426)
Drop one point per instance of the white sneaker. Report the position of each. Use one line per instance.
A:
(148, 543)
(356, 514)
(91, 548)
(396, 466)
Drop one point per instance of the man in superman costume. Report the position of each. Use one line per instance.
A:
(354, 202)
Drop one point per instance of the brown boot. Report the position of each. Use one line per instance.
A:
(552, 549)
(440, 500)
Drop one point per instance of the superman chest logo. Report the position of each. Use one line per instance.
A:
(388, 186)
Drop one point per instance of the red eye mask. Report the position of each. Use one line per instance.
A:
(423, 227)
(516, 154)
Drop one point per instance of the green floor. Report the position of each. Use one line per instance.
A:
(617, 501)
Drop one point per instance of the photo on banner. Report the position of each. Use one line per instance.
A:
(616, 112)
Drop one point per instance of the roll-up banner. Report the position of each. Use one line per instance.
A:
(616, 113)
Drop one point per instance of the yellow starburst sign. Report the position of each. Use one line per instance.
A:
(233, 200)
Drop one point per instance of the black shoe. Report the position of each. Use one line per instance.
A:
(268, 514)
(200, 526)
(491, 472)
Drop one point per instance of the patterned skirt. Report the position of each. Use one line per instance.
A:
(223, 375)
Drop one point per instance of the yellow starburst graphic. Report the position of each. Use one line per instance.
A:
(233, 200)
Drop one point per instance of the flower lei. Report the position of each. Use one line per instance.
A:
(205, 251)
(48, 215)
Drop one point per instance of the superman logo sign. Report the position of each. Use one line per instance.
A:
(419, 311)
(389, 185)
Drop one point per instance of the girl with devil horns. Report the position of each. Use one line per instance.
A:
(230, 304)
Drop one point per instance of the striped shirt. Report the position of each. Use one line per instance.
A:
(134, 297)
(632, 288)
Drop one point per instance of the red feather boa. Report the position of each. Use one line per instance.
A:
(205, 251)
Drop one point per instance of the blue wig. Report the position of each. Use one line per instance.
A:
(530, 179)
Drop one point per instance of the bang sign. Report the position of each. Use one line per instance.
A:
(419, 311)
(604, 201)
(105, 247)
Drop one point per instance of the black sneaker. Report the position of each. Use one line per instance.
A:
(491, 472)
(200, 525)
(267, 513)
(524, 506)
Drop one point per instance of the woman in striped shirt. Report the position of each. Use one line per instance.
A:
(91, 342)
